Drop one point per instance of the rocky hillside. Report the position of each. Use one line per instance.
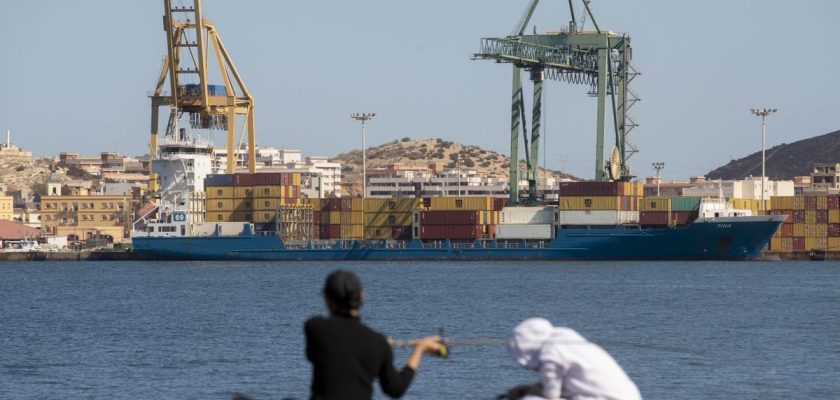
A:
(785, 160)
(23, 173)
(420, 153)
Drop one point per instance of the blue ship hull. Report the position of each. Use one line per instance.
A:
(706, 239)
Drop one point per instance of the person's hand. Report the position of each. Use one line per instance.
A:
(518, 392)
(429, 344)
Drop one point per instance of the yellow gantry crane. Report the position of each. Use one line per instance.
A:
(188, 40)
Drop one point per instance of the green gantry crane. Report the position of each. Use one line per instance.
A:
(597, 58)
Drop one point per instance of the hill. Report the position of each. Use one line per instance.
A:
(421, 153)
(785, 160)
(23, 172)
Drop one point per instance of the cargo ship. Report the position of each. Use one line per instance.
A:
(262, 216)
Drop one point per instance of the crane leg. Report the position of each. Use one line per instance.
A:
(602, 105)
(537, 77)
(515, 126)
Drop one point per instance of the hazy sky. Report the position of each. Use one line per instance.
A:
(76, 74)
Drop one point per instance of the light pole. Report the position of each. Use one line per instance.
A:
(763, 113)
(363, 117)
(658, 166)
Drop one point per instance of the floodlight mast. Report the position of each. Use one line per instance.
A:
(763, 113)
(363, 117)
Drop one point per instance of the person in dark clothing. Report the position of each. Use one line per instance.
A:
(347, 356)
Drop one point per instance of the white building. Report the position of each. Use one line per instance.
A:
(825, 177)
(749, 188)
(418, 183)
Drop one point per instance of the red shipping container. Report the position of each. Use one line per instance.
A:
(787, 229)
(653, 218)
(683, 217)
(331, 205)
(458, 217)
(811, 203)
(316, 217)
(442, 232)
(834, 202)
(401, 233)
(822, 216)
(799, 243)
(798, 217)
(330, 231)
(499, 203)
(591, 188)
(834, 230)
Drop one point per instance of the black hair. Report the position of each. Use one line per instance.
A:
(344, 290)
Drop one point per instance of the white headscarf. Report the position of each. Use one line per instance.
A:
(527, 339)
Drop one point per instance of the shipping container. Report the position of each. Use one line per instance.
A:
(263, 204)
(352, 218)
(816, 230)
(391, 205)
(781, 244)
(623, 203)
(388, 219)
(219, 205)
(244, 216)
(799, 230)
(262, 216)
(220, 216)
(834, 230)
(822, 216)
(810, 202)
(655, 204)
(499, 203)
(799, 216)
(524, 231)
(527, 215)
(810, 216)
(680, 218)
(243, 192)
(378, 233)
(218, 180)
(455, 232)
(401, 233)
(799, 204)
(314, 202)
(833, 202)
(437, 217)
(461, 203)
(798, 243)
(816, 243)
(331, 217)
(352, 231)
(822, 203)
(786, 230)
(268, 191)
(219, 192)
(787, 213)
(783, 202)
(245, 204)
(330, 231)
(611, 189)
(834, 243)
(601, 218)
(654, 218)
(834, 216)
(685, 203)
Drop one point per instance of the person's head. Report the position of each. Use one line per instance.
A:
(527, 339)
(343, 293)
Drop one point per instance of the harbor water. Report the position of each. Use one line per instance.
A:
(197, 330)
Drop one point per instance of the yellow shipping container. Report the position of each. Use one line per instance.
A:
(266, 204)
(783, 244)
(219, 205)
(655, 204)
(220, 216)
(391, 205)
(315, 203)
(581, 203)
(352, 231)
(834, 216)
(798, 229)
(816, 230)
(783, 202)
(242, 216)
(810, 216)
(834, 243)
(296, 180)
(331, 217)
(378, 233)
(263, 216)
(816, 243)
(462, 203)
(242, 192)
(387, 219)
(352, 218)
(268, 191)
(798, 203)
(822, 203)
(219, 192)
(290, 202)
(634, 189)
(243, 204)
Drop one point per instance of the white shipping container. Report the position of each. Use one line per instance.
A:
(225, 228)
(598, 217)
(527, 215)
(524, 231)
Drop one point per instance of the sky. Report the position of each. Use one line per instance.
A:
(76, 75)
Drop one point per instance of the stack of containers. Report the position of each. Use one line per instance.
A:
(389, 219)
(253, 198)
(456, 218)
(813, 223)
(342, 218)
(526, 222)
(753, 205)
(669, 211)
(315, 204)
(599, 203)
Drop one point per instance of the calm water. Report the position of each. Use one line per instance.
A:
(209, 330)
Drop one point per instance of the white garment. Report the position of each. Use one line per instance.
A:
(569, 366)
